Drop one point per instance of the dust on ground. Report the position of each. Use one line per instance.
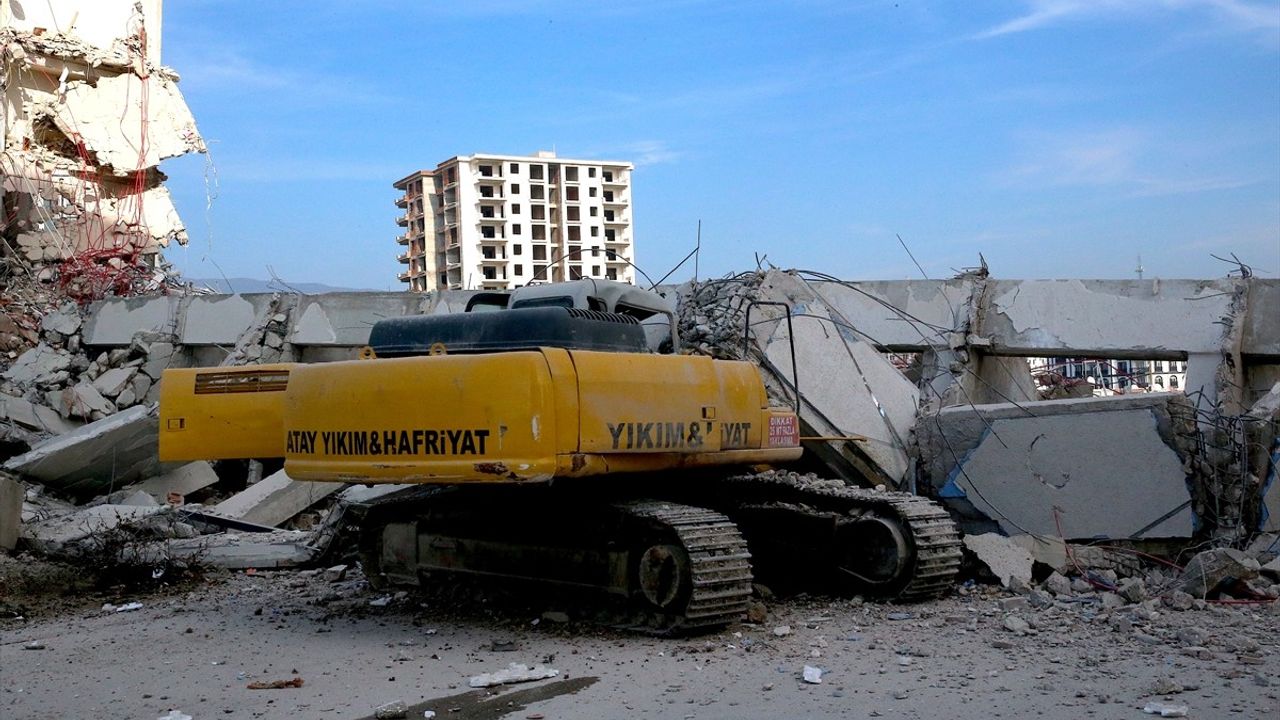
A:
(197, 645)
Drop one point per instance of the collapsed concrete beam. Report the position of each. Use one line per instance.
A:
(55, 533)
(275, 499)
(237, 551)
(88, 461)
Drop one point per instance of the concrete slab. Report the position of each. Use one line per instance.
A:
(89, 460)
(850, 384)
(32, 416)
(183, 480)
(275, 499)
(1100, 475)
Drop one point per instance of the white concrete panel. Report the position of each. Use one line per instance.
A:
(1109, 475)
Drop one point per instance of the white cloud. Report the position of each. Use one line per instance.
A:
(1237, 15)
(1126, 159)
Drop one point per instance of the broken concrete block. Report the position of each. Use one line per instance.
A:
(38, 362)
(65, 320)
(1058, 584)
(82, 401)
(1007, 560)
(88, 460)
(112, 382)
(32, 416)
(159, 357)
(183, 481)
(1210, 568)
(11, 496)
(275, 499)
(141, 385)
(1045, 550)
(849, 386)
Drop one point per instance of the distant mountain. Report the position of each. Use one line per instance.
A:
(253, 285)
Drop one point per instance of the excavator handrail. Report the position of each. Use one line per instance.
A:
(791, 337)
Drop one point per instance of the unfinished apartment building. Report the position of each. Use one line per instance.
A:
(502, 221)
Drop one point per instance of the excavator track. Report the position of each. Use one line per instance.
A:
(928, 551)
(674, 567)
(718, 575)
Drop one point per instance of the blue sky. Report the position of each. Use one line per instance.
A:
(1059, 138)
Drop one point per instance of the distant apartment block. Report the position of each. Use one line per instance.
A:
(504, 221)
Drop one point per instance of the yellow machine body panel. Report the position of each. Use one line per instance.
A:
(223, 413)
(425, 419)
(502, 417)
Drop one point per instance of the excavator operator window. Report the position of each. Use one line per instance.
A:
(561, 301)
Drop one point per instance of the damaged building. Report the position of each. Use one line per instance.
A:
(89, 113)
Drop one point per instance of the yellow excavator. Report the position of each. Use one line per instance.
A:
(557, 434)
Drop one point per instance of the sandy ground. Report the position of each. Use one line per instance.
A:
(197, 649)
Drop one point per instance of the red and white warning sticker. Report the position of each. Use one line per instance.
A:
(784, 431)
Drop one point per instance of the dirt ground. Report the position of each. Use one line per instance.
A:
(196, 649)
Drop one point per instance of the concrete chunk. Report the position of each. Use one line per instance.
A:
(83, 400)
(65, 320)
(88, 460)
(40, 361)
(1005, 558)
(275, 499)
(1208, 569)
(112, 382)
(1090, 468)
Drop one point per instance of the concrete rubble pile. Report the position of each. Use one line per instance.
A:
(81, 430)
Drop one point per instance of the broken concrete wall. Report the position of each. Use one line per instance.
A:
(1121, 319)
(1115, 467)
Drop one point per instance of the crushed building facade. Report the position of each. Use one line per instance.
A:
(88, 113)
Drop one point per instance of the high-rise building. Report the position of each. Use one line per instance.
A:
(503, 221)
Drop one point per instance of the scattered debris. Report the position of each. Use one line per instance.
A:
(1165, 709)
(513, 673)
(294, 682)
(812, 675)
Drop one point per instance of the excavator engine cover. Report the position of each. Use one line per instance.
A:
(518, 329)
